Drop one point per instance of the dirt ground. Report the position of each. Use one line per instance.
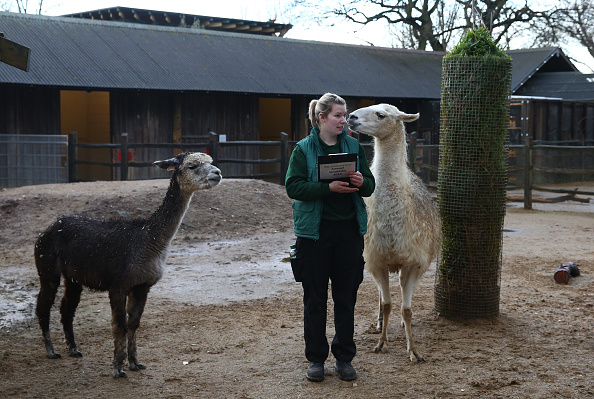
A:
(226, 320)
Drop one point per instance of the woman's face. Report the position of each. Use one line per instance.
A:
(334, 122)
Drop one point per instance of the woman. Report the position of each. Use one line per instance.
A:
(330, 221)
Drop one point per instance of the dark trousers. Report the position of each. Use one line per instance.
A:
(337, 256)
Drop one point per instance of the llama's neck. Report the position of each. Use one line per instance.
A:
(389, 159)
(164, 223)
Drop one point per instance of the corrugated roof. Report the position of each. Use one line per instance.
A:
(168, 18)
(104, 55)
(526, 63)
(76, 53)
(567, 85)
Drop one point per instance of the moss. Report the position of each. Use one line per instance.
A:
(477, 43)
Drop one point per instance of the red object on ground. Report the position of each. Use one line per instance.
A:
(561, 275)
(566, 270)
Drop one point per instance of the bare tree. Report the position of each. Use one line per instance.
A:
(21, 6)
(424, 24)
(571, 19)
(504, 18)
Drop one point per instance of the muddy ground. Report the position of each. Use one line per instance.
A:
(226, 320)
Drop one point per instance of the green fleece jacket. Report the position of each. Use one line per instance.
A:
(314, 203)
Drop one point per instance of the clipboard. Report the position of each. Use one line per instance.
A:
(335, 167)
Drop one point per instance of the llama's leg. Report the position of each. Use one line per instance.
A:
(67, 309)
(382, 279)
(408, 281)
(136, 303)
(380, 315)
(117, 301)
(45, 300)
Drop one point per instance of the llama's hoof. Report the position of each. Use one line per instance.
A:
(119, 373)
(414, 357)
(136, 366)
(381, 347)
(54, 355)
(75, 353)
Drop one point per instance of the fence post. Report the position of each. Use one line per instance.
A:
(124, 157)
(72, 157)
(213, 146)
(528, 173)
(412, 152)
(284, 164)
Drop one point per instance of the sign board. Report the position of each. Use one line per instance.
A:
(335, 166)
(14, 54)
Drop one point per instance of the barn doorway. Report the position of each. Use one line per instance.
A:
(87, 113)
(274, 118)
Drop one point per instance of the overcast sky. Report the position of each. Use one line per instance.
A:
(263, 10)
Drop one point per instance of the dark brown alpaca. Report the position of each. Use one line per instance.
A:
(124, 257)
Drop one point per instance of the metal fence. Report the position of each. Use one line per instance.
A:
(33, 159)
(238, 165)
(40, 159)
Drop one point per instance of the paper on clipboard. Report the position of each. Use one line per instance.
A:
(335, 166)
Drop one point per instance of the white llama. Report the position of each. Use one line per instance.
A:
(404, 230)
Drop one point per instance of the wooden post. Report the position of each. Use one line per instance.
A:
(284, 157)
(124, 156)
(528, 173)
(213, 147)
(177, 123)
(72, 157)
(412, 152)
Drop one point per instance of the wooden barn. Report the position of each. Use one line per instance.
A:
(173, 78)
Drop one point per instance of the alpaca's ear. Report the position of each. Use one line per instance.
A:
(168, 164)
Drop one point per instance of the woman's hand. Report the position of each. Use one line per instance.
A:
(342, 187)
(356, 178)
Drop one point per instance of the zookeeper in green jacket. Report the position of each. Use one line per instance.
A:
(330, 221)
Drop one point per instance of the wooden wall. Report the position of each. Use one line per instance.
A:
(163, 117)
(29, 111)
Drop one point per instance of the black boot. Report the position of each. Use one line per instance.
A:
(345, 371)
(315, 372)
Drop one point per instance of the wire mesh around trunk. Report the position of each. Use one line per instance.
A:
(472, 184)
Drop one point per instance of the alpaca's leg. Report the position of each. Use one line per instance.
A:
(382, 279)
(117, 301)
(67, 309)
(408, 281)
(136, 303)
(45, 300)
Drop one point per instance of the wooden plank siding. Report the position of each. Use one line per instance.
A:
(29, 110)
(150, 117)
(146, 118)
(233, 115)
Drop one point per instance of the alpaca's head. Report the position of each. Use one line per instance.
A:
(380, 121)
(192, 170)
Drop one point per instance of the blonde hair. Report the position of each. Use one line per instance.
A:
(323, 106)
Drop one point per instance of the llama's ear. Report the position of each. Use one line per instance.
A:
(410, 117)
(168, 164)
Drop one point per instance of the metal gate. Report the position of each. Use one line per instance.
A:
(28, 159)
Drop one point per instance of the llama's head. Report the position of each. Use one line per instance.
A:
(192, 170)
(380, 121)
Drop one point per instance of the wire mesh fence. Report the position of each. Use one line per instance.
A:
(27, 159)
(472, 184)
